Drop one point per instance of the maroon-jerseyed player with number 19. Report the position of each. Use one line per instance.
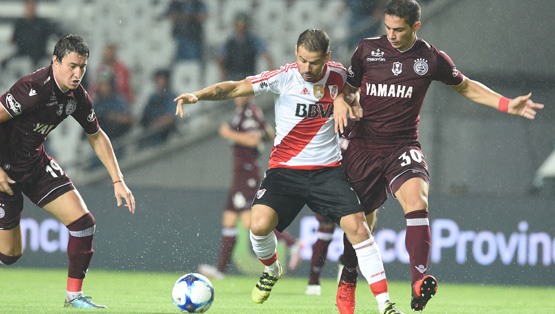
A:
(29, 110)
(393, 73)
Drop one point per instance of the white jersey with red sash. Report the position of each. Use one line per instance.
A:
(305, 136)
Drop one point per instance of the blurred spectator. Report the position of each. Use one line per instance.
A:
(159, 113)
(110, 107)
(187, 17)
(238, 56)
(111, 63)
(31, 35)
(366, 19)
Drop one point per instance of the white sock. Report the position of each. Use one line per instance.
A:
(73, 295)
(383, 300)
(265, 247)
(371, 266)
(273, 269)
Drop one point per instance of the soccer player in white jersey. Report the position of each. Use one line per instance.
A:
(305, 163)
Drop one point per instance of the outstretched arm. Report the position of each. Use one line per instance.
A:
(220, 91)
(103, 149)
(478, 92)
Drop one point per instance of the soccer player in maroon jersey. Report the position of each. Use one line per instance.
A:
(305, 163)
(29, 110)
(392, 74)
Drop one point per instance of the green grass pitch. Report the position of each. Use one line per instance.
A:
(43, 291)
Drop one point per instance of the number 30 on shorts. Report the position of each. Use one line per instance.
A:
(410, 156)
(53, 168)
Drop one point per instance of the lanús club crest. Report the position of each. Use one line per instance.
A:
(71, 106)
(420, 66)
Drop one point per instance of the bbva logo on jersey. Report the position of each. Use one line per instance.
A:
(313, 111)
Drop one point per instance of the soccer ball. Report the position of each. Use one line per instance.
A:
(193, 293)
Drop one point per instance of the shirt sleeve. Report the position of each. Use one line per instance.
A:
(17, 101)
(85, 115)
(268, 81)
(447, 71)
(356, 70)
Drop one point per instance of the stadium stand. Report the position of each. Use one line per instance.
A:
(143, 34)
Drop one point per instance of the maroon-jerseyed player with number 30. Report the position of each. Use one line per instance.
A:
(392, 74)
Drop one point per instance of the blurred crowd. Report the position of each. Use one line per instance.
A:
(110, 80)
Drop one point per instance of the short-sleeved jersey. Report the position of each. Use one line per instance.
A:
(305, 136)
(37, 106)
(248, 119)
(393, 85)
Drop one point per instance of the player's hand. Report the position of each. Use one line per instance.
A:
(121, 191)
(5, 182)
(341, 113)
(357, 108)
(184, 99)
(224, 130)
(524, 106)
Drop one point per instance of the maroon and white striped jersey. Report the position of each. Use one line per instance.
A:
(393, 85)
(37, 106)
(305, 136)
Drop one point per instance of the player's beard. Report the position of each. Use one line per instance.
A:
(311, 76)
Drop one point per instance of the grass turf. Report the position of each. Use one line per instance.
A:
(29, 290)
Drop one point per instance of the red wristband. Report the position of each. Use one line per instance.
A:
(114, 183)
(503, 105)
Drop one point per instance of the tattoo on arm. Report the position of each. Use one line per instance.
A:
(219, 94)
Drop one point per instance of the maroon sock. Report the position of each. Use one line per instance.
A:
(227, 244)
(79, 246)
(417, 242)
(320, 254)
(285, 236)
(350, 262)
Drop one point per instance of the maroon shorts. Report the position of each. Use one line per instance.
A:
(242, 191)
(43, 184)
(374, 173)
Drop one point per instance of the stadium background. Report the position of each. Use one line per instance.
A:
(483, 164)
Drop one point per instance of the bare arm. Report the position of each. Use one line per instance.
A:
(103, 148)
(269, 134)
(220, 91)
(479, 93)
(248, 139)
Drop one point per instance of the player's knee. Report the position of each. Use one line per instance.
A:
(82, 227)
(420, 203)
(8, 260)
(259, 229)
(261, 225)
(356, 230)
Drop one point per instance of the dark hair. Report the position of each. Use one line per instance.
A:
(242, 17)
(165, 73)
(314, 40)
(405, 9)
(71, 43)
